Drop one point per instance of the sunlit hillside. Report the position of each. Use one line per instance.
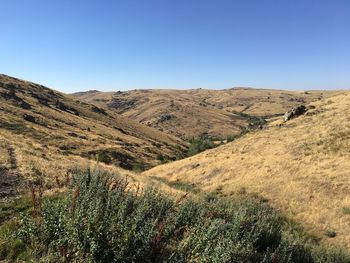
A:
(186, 113)
(44, 133)
(300, 166)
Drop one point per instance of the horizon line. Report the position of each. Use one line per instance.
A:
(174, 89)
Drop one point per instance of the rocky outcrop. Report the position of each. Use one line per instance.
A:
(294, 112)
(29, 118)
(98, 110)
(11, 95)
(122, 104)
(60, 105)
(165, 117)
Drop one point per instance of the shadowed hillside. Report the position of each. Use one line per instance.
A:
(300, 166)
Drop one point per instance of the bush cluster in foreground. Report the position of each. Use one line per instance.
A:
(100, 219)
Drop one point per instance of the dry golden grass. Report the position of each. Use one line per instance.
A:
(58, 141)
(186, 113)
(65, 126)
(47, 168)
(301, 166)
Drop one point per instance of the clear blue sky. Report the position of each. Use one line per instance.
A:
(117, 45)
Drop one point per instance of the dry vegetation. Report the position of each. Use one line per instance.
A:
(55, 125)
(101, 219)
(301, 167)
(187, 113)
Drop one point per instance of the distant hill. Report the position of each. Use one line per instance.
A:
(300, 166)
(187, 113)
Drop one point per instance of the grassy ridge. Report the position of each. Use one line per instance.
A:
(301, 166)
(101, 219)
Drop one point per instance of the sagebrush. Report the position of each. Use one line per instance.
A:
(103, 219)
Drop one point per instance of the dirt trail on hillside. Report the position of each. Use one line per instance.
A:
(10, 178)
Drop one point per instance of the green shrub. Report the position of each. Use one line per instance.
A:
(199, 144)
(346, 210)
(231, 138)
(104, 157)
(138, 167)
(162, 159)
(99, 219)
(254, 121)
(18, 205)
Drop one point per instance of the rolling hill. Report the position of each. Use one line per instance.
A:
(45, 132)
(300, 167)
(187, 113)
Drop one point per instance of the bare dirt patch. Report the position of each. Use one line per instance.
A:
(10, 178)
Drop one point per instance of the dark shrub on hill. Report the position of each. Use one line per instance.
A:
(199, 144)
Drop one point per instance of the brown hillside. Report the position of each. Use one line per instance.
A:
(48, 129)
(301, 166)
(186, 113)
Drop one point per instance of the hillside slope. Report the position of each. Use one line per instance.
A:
(186, 113)
(300, 166)
(56, 129)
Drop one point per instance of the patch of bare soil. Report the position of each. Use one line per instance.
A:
(10, 178)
